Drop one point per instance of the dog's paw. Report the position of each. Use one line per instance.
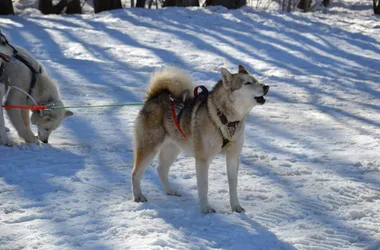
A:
(173, 193)
(238, 209)
(38, 142)
(207, 210)
(139, 198)
(4, 140)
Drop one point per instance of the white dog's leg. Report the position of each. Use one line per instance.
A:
(23, 131)
(233, 162)
(26, 118)
(202, 167)
(167, 156)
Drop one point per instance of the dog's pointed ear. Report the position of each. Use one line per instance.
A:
(242, 70)
(226, 77)
(68, 113)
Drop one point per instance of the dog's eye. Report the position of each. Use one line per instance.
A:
(47, 130)
(247, 83)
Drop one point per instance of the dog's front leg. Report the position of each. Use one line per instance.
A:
(24, 132)
(233, 162)
(202, 167)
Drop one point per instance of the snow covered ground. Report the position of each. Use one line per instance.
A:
(310, 172)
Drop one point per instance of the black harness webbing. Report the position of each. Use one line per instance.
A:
(33, 70)
(204, 95)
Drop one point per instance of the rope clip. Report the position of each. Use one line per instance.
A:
(49, 107)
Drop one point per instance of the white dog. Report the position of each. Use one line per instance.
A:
(28, 76)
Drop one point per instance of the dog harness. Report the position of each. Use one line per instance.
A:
(177, 107)
(33, 70)
(177, 111)
(26, 63)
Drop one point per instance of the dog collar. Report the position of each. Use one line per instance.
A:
(230, 126)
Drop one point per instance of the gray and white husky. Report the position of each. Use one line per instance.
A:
(26, 74)
(210, 123)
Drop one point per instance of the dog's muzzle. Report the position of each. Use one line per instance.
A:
(4, 57)
(260, 99)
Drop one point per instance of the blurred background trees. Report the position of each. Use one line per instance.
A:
(70, 7)
(76, 6)
(6, 7)
(102, 5)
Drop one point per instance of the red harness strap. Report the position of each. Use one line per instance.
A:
(175, 119)
(173, 103)
(33, 108)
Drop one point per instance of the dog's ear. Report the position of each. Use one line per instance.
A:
(226, 78)
(68, 113)
(242, 70)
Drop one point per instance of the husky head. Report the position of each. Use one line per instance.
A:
(6, 50)
(244, 90)
(49, 120)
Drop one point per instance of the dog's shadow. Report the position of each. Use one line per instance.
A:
(223, 229)
(34, 173)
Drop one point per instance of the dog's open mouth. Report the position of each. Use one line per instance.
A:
(260, 99)
(4, 57)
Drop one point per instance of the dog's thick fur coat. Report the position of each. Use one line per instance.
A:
(156, 133)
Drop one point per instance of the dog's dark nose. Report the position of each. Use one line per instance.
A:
(45, 141)
(266, 89)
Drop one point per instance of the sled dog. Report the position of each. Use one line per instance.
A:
(24, 74)
(206, 125)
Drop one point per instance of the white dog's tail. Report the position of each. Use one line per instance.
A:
(175, 80)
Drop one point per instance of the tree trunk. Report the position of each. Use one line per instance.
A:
(193, 3)
(6, 7)
(229, 4)
(304, 5)
(74, 7)
(376, 7)
(140, 4)
(169, 3)
(326, 3)
(102, 5)
(289, 7)
(47, 7)
(182, 3)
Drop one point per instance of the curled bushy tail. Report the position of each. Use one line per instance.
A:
(173, 79)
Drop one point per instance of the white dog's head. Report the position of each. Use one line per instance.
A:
(6, 50)
(244, 90)
(49, 120)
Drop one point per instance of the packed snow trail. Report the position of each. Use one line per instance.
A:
(310, 167)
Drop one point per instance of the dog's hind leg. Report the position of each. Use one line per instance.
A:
(143, 158)
(3, 129)
(168, 154)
